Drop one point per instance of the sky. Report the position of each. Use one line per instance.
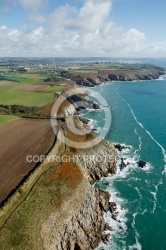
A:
(83, 28)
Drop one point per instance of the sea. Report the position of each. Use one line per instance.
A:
(138, 111)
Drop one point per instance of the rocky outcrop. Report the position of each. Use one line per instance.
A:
(121, 147)
(98, 161)
(79, 222)
(141, 164)
(123, 164)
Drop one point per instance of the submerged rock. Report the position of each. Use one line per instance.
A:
(123, 164)
(141, 164)
(121, 147)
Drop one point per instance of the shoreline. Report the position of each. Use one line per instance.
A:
(91, 174)
(119, 73)
(116, 218)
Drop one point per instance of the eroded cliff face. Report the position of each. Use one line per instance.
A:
(98, 161)
(141, 72)
(79, 223)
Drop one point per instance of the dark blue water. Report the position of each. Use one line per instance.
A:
(138, 120)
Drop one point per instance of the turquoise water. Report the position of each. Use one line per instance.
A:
(138, 120)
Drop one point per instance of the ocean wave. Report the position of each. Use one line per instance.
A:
(133, 222)
(150, 135)
(154, 194)
(140, 141)
(164, 171)
(162, 77)
(134, 179)
(139, 193)
(131, 159)
(136, 246)
(92, 123)
(119, 225)
(145, 211)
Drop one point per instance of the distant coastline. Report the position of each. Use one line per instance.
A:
(93, 75)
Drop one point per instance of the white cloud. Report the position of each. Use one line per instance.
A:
(69, 31)
(32, 5)
(34, 9)
(92, 15)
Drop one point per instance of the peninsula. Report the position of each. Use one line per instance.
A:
(52, 204)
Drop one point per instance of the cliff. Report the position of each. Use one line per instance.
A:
(64, 210)
(79, 224)
(118, 73)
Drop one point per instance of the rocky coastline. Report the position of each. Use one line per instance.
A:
(141, 72)
(80, 222)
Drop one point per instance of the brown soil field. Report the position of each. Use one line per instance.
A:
(6, 82)
(32, 87)
(46, 110)
(19, 139)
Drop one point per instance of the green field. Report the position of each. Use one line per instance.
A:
(52, 89)
(10, 95)
(17, 97)
(7, 118)
(22, 78)
(85, 71)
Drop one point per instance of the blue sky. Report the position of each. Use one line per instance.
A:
(117, 28)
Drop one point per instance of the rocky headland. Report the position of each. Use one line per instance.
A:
(118, 73)
(72, 219)
(79, 224)
(67, 211)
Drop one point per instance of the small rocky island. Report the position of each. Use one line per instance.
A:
(95, 74)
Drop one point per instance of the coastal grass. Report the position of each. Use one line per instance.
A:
(11, 95)
(23, 77)
(52, 89)
(22, 230)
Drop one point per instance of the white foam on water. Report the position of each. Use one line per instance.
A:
(154, 194)
(148, 167)
(145, 211)
(141, 125)
(136, 246)
(140, 141)
(164, 171)
(91, 123)
(131, 159)
(139, 194)
(134, 179)
(118, 225)
(162, 77)
(133, 222)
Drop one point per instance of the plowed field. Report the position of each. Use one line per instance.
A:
(18, 139)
